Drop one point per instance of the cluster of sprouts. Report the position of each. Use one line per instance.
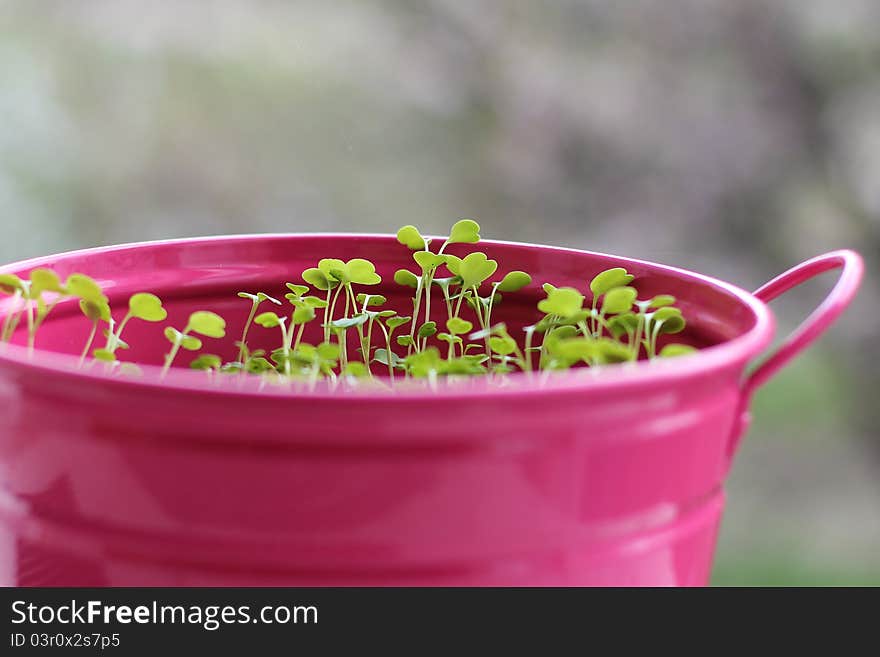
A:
(450, 333)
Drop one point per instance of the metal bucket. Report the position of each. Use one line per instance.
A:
(609, 477)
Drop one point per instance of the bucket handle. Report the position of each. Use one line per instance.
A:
(840, 296)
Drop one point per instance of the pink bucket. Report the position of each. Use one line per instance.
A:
(610, 477)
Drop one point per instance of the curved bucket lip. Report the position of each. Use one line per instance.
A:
(708, 359)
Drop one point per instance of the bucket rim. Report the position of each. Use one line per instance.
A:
(179, 381)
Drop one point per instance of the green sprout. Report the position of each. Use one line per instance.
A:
(202, 322)
(256, 300)
(141, 305)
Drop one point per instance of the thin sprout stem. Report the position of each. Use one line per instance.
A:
(655, 333)
(8, 326)
(637, 341)
(329, 320)
(415, 318)
(388, 350)
(360, 329)
(247, 327)
(299, 334)
(369, 345)
(460, 299)
(113, 338)
(429, 282)
(15, 321)
(343, 348)
(448, 301)
(170, 356)
(41, 317)
(543, 352)
(478, 310)
(85, 351)
(593, 315)
(326, 308)
(530, 332)
(491, 303)
(286, 336)
(31, 330)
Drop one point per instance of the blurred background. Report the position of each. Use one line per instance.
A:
(732, 138)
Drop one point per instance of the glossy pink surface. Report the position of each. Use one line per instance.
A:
(596, 478)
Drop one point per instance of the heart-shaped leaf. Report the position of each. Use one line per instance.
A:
(333, 269)
(662, 300)
(404, 340)
(453, 264)
(514, 281)
(303, 315)
(362, 272)
(355, 369)
(298, 290)
(206, 362)
(191, 343)
(572, 349)
(9, 283)
(328, 351)
(84, 287)
(104, 355)
(372, 300)
(258, 365)
(146, 306)
(502, 345)
(424, 363)
(562, 301)
(609, 279)
(206, 323)
(618, 300)
(173, 335)
(348, 322)
(459, 326)
(410, 237)
(95, 309)
(383, 356)
(427, 329)
(268, 320)
(672, 350)
(611, 351)
(406, 277)
(44, 280)
(466, 231)
(448, 337)
(564, 332)
(474, 269)
(396, 322)
(623, 324)
(428, 261)
(318, 279)
(670, 320)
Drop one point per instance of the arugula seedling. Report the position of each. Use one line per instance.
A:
(392, 323)
(202, 322)
(256, 300)
(141, 305)
(43, 280)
